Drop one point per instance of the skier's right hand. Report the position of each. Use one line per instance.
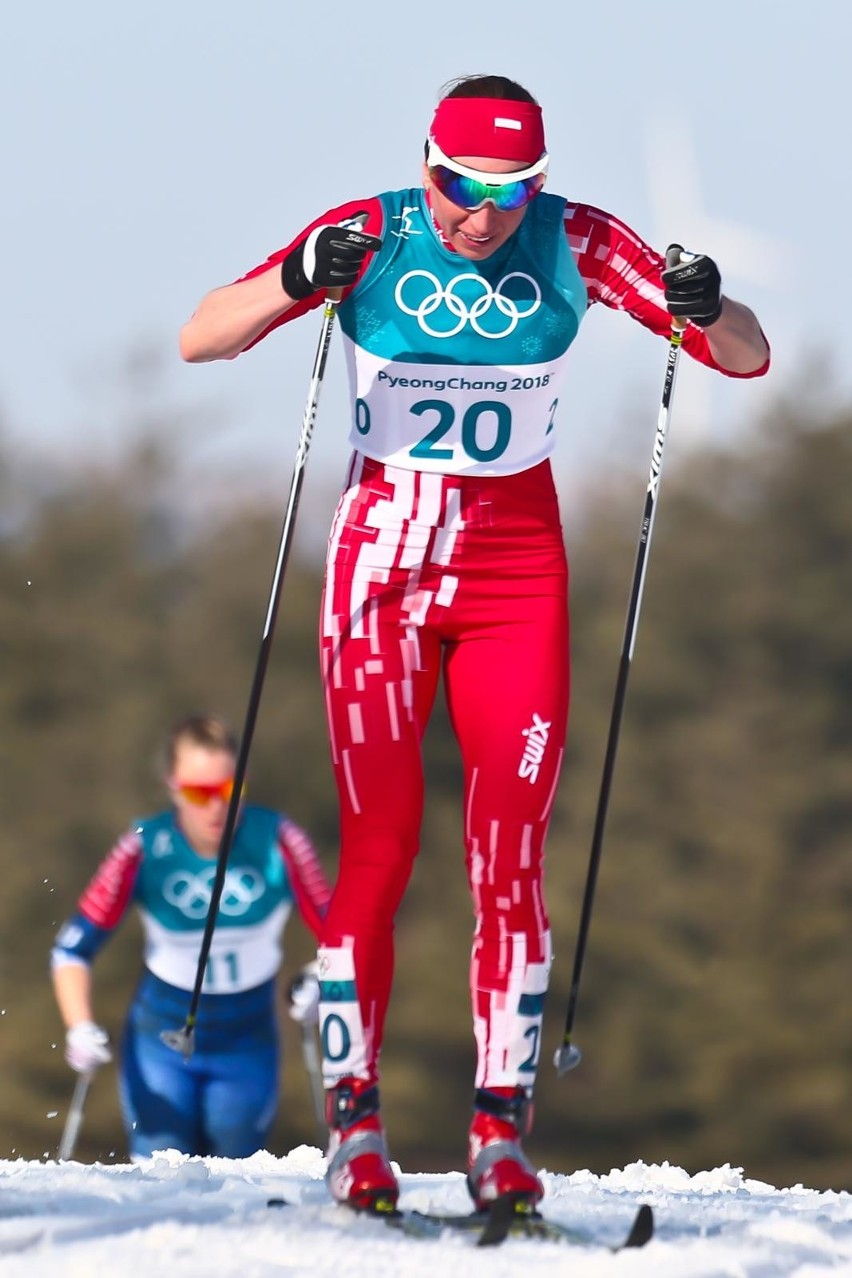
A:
(330, 257)
(87, 1047)
(693, 286)
(303, 995)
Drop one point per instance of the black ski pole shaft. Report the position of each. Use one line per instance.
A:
(567, 1054)
(182, 1040)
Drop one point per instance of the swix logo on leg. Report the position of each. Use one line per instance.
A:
(536, 741)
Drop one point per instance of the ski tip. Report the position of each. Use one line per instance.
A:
(498, 1223)
(502, 1215)
(643, 1228)
(277, 1202)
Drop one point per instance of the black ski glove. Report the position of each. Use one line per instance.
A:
(330, 257)
(693, 287)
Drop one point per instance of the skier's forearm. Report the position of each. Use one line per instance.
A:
(72, 985)
(736, 341)
(229, 318)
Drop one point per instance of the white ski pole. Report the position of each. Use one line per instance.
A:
(310, 1055)
(74, 1120)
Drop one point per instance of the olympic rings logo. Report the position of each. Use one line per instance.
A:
(471, 314)
(190, 893)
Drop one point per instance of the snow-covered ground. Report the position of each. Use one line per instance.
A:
(177, 1217)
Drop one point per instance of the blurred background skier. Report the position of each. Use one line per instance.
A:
(223, 1099)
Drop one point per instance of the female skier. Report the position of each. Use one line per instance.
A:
(461, 299)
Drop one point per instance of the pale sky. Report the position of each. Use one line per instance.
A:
(150, 152)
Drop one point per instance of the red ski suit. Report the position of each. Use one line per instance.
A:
(463, 571)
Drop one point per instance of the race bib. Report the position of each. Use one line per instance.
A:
(240, 957)
(454, 419)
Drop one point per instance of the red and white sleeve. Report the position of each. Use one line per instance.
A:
(104, 902)
(622, 271)
(307, 878)
(373, 226)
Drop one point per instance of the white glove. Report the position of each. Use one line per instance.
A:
(87, 1047)
(303, 994)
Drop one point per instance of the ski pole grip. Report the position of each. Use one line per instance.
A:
(370, 243)
(675, 255)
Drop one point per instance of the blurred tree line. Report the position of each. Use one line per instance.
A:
(714, 1014)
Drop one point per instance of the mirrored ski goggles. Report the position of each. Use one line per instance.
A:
(468, 189)
(199, 794)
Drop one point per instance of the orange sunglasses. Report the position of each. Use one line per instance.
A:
(201, 793)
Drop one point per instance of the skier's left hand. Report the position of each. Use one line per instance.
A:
(303, 995)
(87, 1047)
(693, 287)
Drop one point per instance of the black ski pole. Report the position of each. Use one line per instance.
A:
(567, 1054)
(183, 1040)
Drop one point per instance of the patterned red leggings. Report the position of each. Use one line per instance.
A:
(467, 573)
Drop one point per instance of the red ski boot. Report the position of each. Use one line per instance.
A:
(497, 1166)
(359, 1172)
